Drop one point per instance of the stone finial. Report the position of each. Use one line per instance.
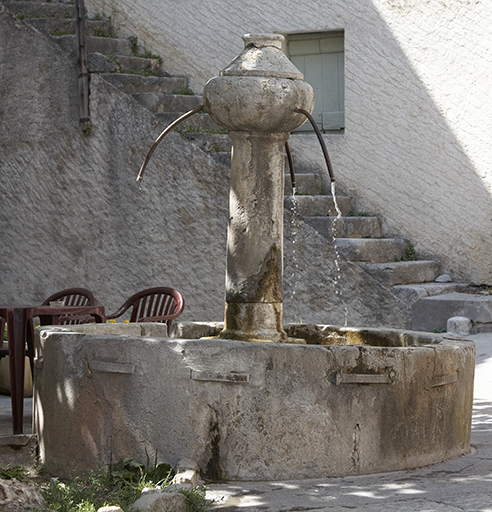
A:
(263, 57)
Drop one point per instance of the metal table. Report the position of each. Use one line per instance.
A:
(17, 318)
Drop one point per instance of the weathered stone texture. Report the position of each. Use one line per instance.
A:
(16, 496)
(416, 145)
(255, 411)
(72, 213)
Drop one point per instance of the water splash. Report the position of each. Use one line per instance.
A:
(337, 227)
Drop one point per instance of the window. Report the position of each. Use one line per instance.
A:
(319, 56)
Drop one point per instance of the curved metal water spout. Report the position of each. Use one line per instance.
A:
(321, 141)
(291, 165)
(162, 135)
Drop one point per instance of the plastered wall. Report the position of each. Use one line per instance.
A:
(418, 73)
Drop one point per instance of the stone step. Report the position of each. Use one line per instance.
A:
(371, 250)
(65, 26)
(41, 9)
(211, 142)
(100, 63)
(136, 83)
(197, 122)
(431, 314)
(403, 272)
(316, 206)
(410, 293)
(346, 227)
(100, 45)
(156, 102)
(306, 184)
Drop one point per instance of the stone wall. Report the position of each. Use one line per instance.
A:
(415, 148)
(72, 213)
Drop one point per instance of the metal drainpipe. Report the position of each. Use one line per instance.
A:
(83, 72)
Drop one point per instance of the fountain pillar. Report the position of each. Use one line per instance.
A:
(255, 98)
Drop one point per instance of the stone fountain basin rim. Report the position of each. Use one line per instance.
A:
(194, 331)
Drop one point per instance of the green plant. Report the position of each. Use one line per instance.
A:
(147, 54)
(17, 472)
(111, 55)
(121, 484)
(134, 46)
(184, 91)
(105, 32)
(196, 501)
(21, 16)
(88, 129)
(410, 253)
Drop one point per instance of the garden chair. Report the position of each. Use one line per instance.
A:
(71, 297)
(159, 304)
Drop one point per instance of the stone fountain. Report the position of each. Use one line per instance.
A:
(303, 401)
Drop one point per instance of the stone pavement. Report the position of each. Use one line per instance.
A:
(463, 484)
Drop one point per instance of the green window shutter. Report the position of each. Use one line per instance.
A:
(320, 58)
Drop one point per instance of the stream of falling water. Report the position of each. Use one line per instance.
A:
(294, 224)
(337, 221)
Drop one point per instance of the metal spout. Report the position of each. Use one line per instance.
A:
(162, 135)
(321, 141)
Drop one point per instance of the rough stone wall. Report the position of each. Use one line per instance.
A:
(418, 73)
(71, 212)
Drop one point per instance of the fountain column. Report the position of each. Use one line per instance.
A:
(255, 98)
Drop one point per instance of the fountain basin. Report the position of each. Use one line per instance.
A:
(376, 400)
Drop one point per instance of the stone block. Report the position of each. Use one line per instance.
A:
(402, 272)
(376, 250)
(160, 500)
(459, 325)
(346, 227)
(432, 313)
(99, 63)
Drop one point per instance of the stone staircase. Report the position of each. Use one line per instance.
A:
(358, 236)
(141, 75)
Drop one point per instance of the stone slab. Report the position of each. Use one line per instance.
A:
(432, 313)
(157, 102)
(403, 272)
(346, 227)
(313, 206)
(371, 250)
